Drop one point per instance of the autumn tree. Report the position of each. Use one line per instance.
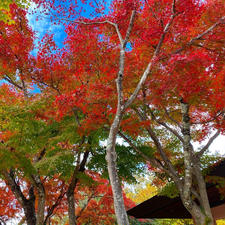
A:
(39, 142)
(167, 59)
(174, 54)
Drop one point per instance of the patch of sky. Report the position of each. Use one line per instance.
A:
(2, 82)
(41, 21)
(128, 47)
(44, 21)
(42, 24)
(35, 89)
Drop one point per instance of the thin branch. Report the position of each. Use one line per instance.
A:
(147, 158)
(8, 79)
(209, 121)
(85, 206)
(167, 127)
(97, 23)
(154, 162)
(171, 118)
(47, 85)
(210, 141)
(54, 206)
(171, 169)
(166, 29)
(131, 24)
(199, 37)
(149, 66)
(154, 15)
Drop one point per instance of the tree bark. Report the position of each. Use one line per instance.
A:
(71, 188)
(201, 213)
(41, 199)
(203, 194)
(111, 156)
(71, 200)
(28, 204)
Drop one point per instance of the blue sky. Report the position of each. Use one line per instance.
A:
(42, 24)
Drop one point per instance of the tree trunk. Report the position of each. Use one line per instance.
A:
(201, 213)
(71, 200)
(41, 199)
(203, 194)
(71, 188)
(111, 156)
(29, 211)
(28, 205)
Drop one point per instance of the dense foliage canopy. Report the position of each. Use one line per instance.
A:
(144, 78)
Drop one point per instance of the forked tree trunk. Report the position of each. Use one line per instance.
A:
(28, 204)
(199, 217)
(201, 213)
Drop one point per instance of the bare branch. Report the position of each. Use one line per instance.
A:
(149, 66)
(210, 141)
(154, 162)
(131, 23)
(171, 118)
(167, 127)
(8, 79)
(171, 169)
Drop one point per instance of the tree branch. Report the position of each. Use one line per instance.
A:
(54, 206)
(154, 162)
(210, 141)
(130, 26)
(171, 169)
(199, 37)
(15, 188)
(167, 127)
(8, 79)
(171, 118)
(211, 120)
(149, 66)
(85, 206)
